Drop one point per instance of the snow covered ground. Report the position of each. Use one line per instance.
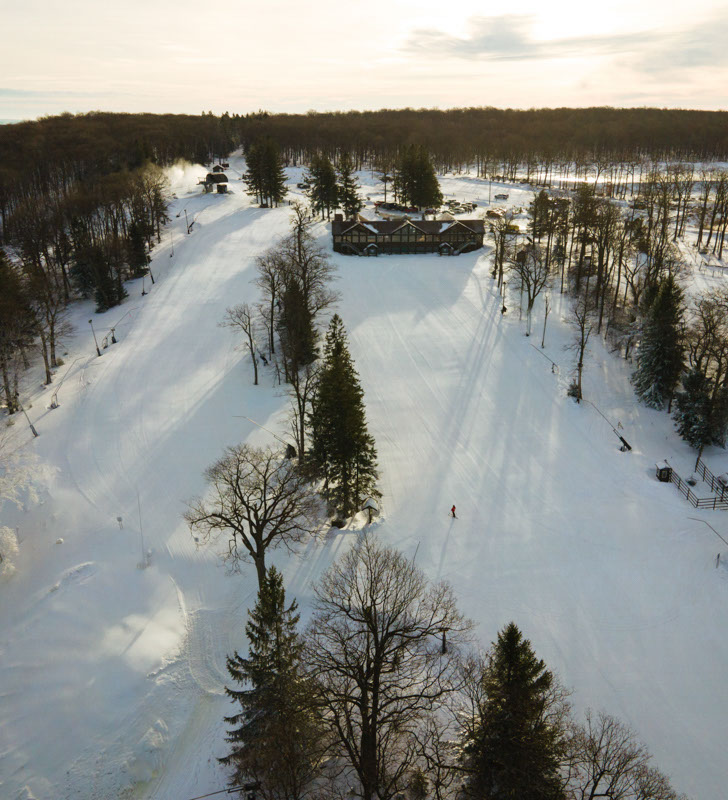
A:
(112, 676)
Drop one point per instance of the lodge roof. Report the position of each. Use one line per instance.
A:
(388, 227)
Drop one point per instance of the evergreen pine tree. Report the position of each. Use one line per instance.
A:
(273, 174)
(253, 177)
(701, 411)
(517, 743)
(137, 249)
(265, 176)
(276, 739)
(296, 328)
(324, 191)
(347, 186)
(661, 358)
(342, 451)
(415, 181)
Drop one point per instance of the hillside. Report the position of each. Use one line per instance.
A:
(113, 675)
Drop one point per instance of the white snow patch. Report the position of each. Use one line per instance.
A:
(8, 551)
(144, 765)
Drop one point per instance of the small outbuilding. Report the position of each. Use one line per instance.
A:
(213, 179)
(663, 471)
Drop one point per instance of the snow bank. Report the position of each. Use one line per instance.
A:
(146, 761)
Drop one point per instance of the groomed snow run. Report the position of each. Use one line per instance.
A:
(111, 675)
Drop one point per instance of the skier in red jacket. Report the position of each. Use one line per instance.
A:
(452, 511)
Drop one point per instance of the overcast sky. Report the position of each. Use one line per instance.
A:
(280, 55)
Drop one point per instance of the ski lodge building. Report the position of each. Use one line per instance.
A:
(360, 237)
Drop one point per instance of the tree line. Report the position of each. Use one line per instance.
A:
(622, 266)
(413, 179)
(385, 695)
(86, 244)
(82, 201)
(459, 137)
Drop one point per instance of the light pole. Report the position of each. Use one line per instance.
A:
(91, 323)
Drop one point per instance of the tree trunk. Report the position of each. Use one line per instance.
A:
(259, 561)
(46, 361)
(9, 396)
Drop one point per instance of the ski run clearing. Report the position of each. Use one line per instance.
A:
(112, 676)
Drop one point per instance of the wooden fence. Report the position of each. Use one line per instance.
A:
(716, 485)
(719, 501)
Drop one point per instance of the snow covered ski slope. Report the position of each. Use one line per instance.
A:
(112, 676)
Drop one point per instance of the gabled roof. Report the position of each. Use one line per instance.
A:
(388, 227)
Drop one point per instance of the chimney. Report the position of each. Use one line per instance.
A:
(338, 217)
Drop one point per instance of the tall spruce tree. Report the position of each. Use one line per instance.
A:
(701, 411)
(276, 741)
(137, 249)
(517, 743)
(253, 177)
(342, 451)
(661, 358)
(265, 176)
(324, 191)
(296, 328)
(348, 188)
(415, 181)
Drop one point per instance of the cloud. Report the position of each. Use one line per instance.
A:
(508, 38)
(703, 45)
(46, 93)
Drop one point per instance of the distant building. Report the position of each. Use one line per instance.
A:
(215, 179)
(364, 237)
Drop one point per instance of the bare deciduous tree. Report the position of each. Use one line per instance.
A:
(241, 318)
(582, 321)
(308, 264)
(301, 390)
(380, 647)
(270, 282)
(610, 763)
(532, 268)
(259, 498)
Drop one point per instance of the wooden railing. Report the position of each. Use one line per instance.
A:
(716, 502)
(715, 484)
